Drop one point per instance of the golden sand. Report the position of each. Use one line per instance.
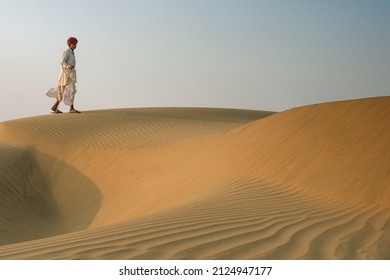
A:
(198, 183)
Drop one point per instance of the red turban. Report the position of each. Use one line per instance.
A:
(72, 40)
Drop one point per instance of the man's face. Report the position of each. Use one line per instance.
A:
(73, 46)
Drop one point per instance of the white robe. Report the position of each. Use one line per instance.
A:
(66, 83)
(68, 60)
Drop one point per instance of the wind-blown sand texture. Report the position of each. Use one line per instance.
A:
(196, 183)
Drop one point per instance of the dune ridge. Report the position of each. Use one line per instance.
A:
(202, 183)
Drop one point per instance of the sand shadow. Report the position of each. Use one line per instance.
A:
(42, 196)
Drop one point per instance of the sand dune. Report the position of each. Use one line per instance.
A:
(195, 183)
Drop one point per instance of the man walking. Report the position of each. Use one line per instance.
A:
(66, 84)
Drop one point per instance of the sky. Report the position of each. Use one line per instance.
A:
(247, 54)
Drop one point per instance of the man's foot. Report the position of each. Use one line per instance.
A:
(55, 106)
(73, 110)
(56, 111)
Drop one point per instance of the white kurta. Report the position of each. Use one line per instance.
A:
(66, 83)
(68, 60)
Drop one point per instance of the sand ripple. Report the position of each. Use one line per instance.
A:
(187, 183)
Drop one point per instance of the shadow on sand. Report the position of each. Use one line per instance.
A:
(42, 196)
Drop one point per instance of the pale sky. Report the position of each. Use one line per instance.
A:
(249, 54)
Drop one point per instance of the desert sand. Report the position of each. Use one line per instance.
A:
(198, 183)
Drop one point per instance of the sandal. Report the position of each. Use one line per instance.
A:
(74, 111)
(57, 111)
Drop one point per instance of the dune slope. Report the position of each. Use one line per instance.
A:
(186, 183)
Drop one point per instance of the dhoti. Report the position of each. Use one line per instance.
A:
(64, 92)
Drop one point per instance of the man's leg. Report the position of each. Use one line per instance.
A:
(59, 99)
(72, 92)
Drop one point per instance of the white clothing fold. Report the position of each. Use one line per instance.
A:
(67, 94)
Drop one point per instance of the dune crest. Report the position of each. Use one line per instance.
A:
(195, 183)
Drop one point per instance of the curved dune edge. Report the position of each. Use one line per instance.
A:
(187, 183)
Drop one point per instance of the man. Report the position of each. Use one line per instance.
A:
(66, 84)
